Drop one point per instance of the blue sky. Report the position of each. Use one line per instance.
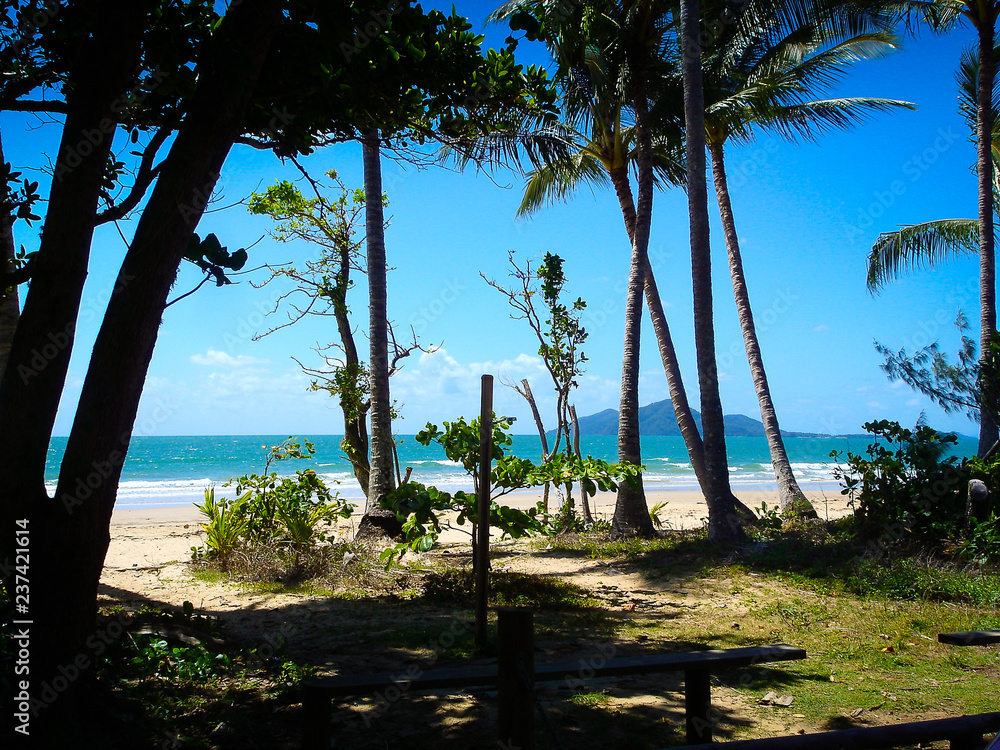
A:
(807, 215)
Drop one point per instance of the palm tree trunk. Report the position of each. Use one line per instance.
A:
(791, 498)
(668, 355)
(9, 305)
(987, 270)
(723, 523)
(378, 520)
(631, 513)
(686, 422)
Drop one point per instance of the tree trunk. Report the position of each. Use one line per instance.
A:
(528, 396)
(631, 513)
(72, 532)
(987, 270)
(9, 304)
(792, 500)
(668, 356)
(355, 443)
(588, 517)
(378, 521)
(62, 605)
(723, 523)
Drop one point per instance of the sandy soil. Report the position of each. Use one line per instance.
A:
(147, 559)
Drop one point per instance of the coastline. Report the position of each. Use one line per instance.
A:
(684, 509)
(150, 547)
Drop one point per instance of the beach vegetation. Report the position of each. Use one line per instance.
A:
(292, 515)
(909, 491)
(421, 509)
(557, 327)
(225, 525)
(905, 488)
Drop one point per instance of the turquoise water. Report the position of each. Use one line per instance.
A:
(169, 471)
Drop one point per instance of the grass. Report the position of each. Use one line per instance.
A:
(869, 627)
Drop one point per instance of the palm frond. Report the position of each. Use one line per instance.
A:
(920, 246)
(811, 119)
(967, 77)
(558, 180)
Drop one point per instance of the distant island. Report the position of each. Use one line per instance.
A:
(658, 419)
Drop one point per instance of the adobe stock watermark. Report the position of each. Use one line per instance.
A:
(49, 690)
(927, 328)
(751, 161)
(912, 169)
(589, 665)
(782, 303)
(60, 340)
(599, 314)
(247, 326)
(35, 22)
(421, 319)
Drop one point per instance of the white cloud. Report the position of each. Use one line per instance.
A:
(215, 358)
(437, 386)
(821, 328)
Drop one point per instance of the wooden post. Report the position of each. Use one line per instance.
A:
(317, 713)
(698, 706)
(515, 677)
(481, 563)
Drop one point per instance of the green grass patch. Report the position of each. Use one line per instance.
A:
(603, 546)
(591, 699)
(924, 579)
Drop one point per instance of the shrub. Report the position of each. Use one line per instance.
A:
(227, 524)
(906, 488)
(289, 515)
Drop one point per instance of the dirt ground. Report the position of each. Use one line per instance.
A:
(148, 562)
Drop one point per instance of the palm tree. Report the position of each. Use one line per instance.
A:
(766, 78)
(723, 523)
(943, 15)
(602, 69)
(381, 479)
(603, 150)
(929, 243)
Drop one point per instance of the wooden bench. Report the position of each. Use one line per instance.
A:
(964, 733)
(971, 638)
(697, 667)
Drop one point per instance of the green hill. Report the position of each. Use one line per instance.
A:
(658, 419)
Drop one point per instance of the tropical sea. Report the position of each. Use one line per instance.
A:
(170, 471)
